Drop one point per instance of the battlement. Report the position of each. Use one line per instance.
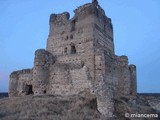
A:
(59, 19)
(83, 8)
(89, 8)
(14, 74)
(43, 58)
(121, 60)
(24, 71)
(40, 51)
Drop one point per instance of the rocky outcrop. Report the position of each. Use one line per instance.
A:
(153, 99)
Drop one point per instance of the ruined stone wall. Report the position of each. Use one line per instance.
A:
(113, 77)
(68, 79)
(79, 57)
(103, 86)
(126, 74)
(103, 31)
(90, 31)
(72, 44)
(120, 74)
(43, 60)
(18, 82)
(13, 84)
(133, 79)
(123, 75)
(76, 33)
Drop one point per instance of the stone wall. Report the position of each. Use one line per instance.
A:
(79, 57)
(19, 81)
(113, 78)
(42, 62)
(133, 80)
(68, 79)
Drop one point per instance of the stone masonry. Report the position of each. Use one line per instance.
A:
(79, 58)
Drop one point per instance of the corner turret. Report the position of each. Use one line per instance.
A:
(43, 59)
(133, 82)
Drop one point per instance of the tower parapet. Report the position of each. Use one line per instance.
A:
(58, 20)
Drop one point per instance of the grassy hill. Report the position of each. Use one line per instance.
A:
(77, 107)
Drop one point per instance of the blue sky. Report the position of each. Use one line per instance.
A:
(24, 26)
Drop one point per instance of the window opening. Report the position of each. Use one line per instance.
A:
(65, 50)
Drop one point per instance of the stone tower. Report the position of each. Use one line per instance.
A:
(79, 58)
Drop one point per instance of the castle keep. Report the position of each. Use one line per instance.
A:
(79, 57)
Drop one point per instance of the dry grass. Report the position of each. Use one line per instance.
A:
(49, 108)
(78, 107)
(133, 105)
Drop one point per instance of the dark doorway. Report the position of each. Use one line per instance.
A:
(73, 49)
(28, 89)
(73, 24)
(65, 50)
(45, 91)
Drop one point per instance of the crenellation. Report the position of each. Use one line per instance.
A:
(59, 19)
(14, 74)
(122, 61)
(81, 9)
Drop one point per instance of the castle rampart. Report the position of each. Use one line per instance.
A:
(19, 80)
(79, 57)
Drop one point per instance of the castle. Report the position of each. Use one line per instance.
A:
(79, 57)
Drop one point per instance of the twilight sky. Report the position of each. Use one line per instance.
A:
(24, 26)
